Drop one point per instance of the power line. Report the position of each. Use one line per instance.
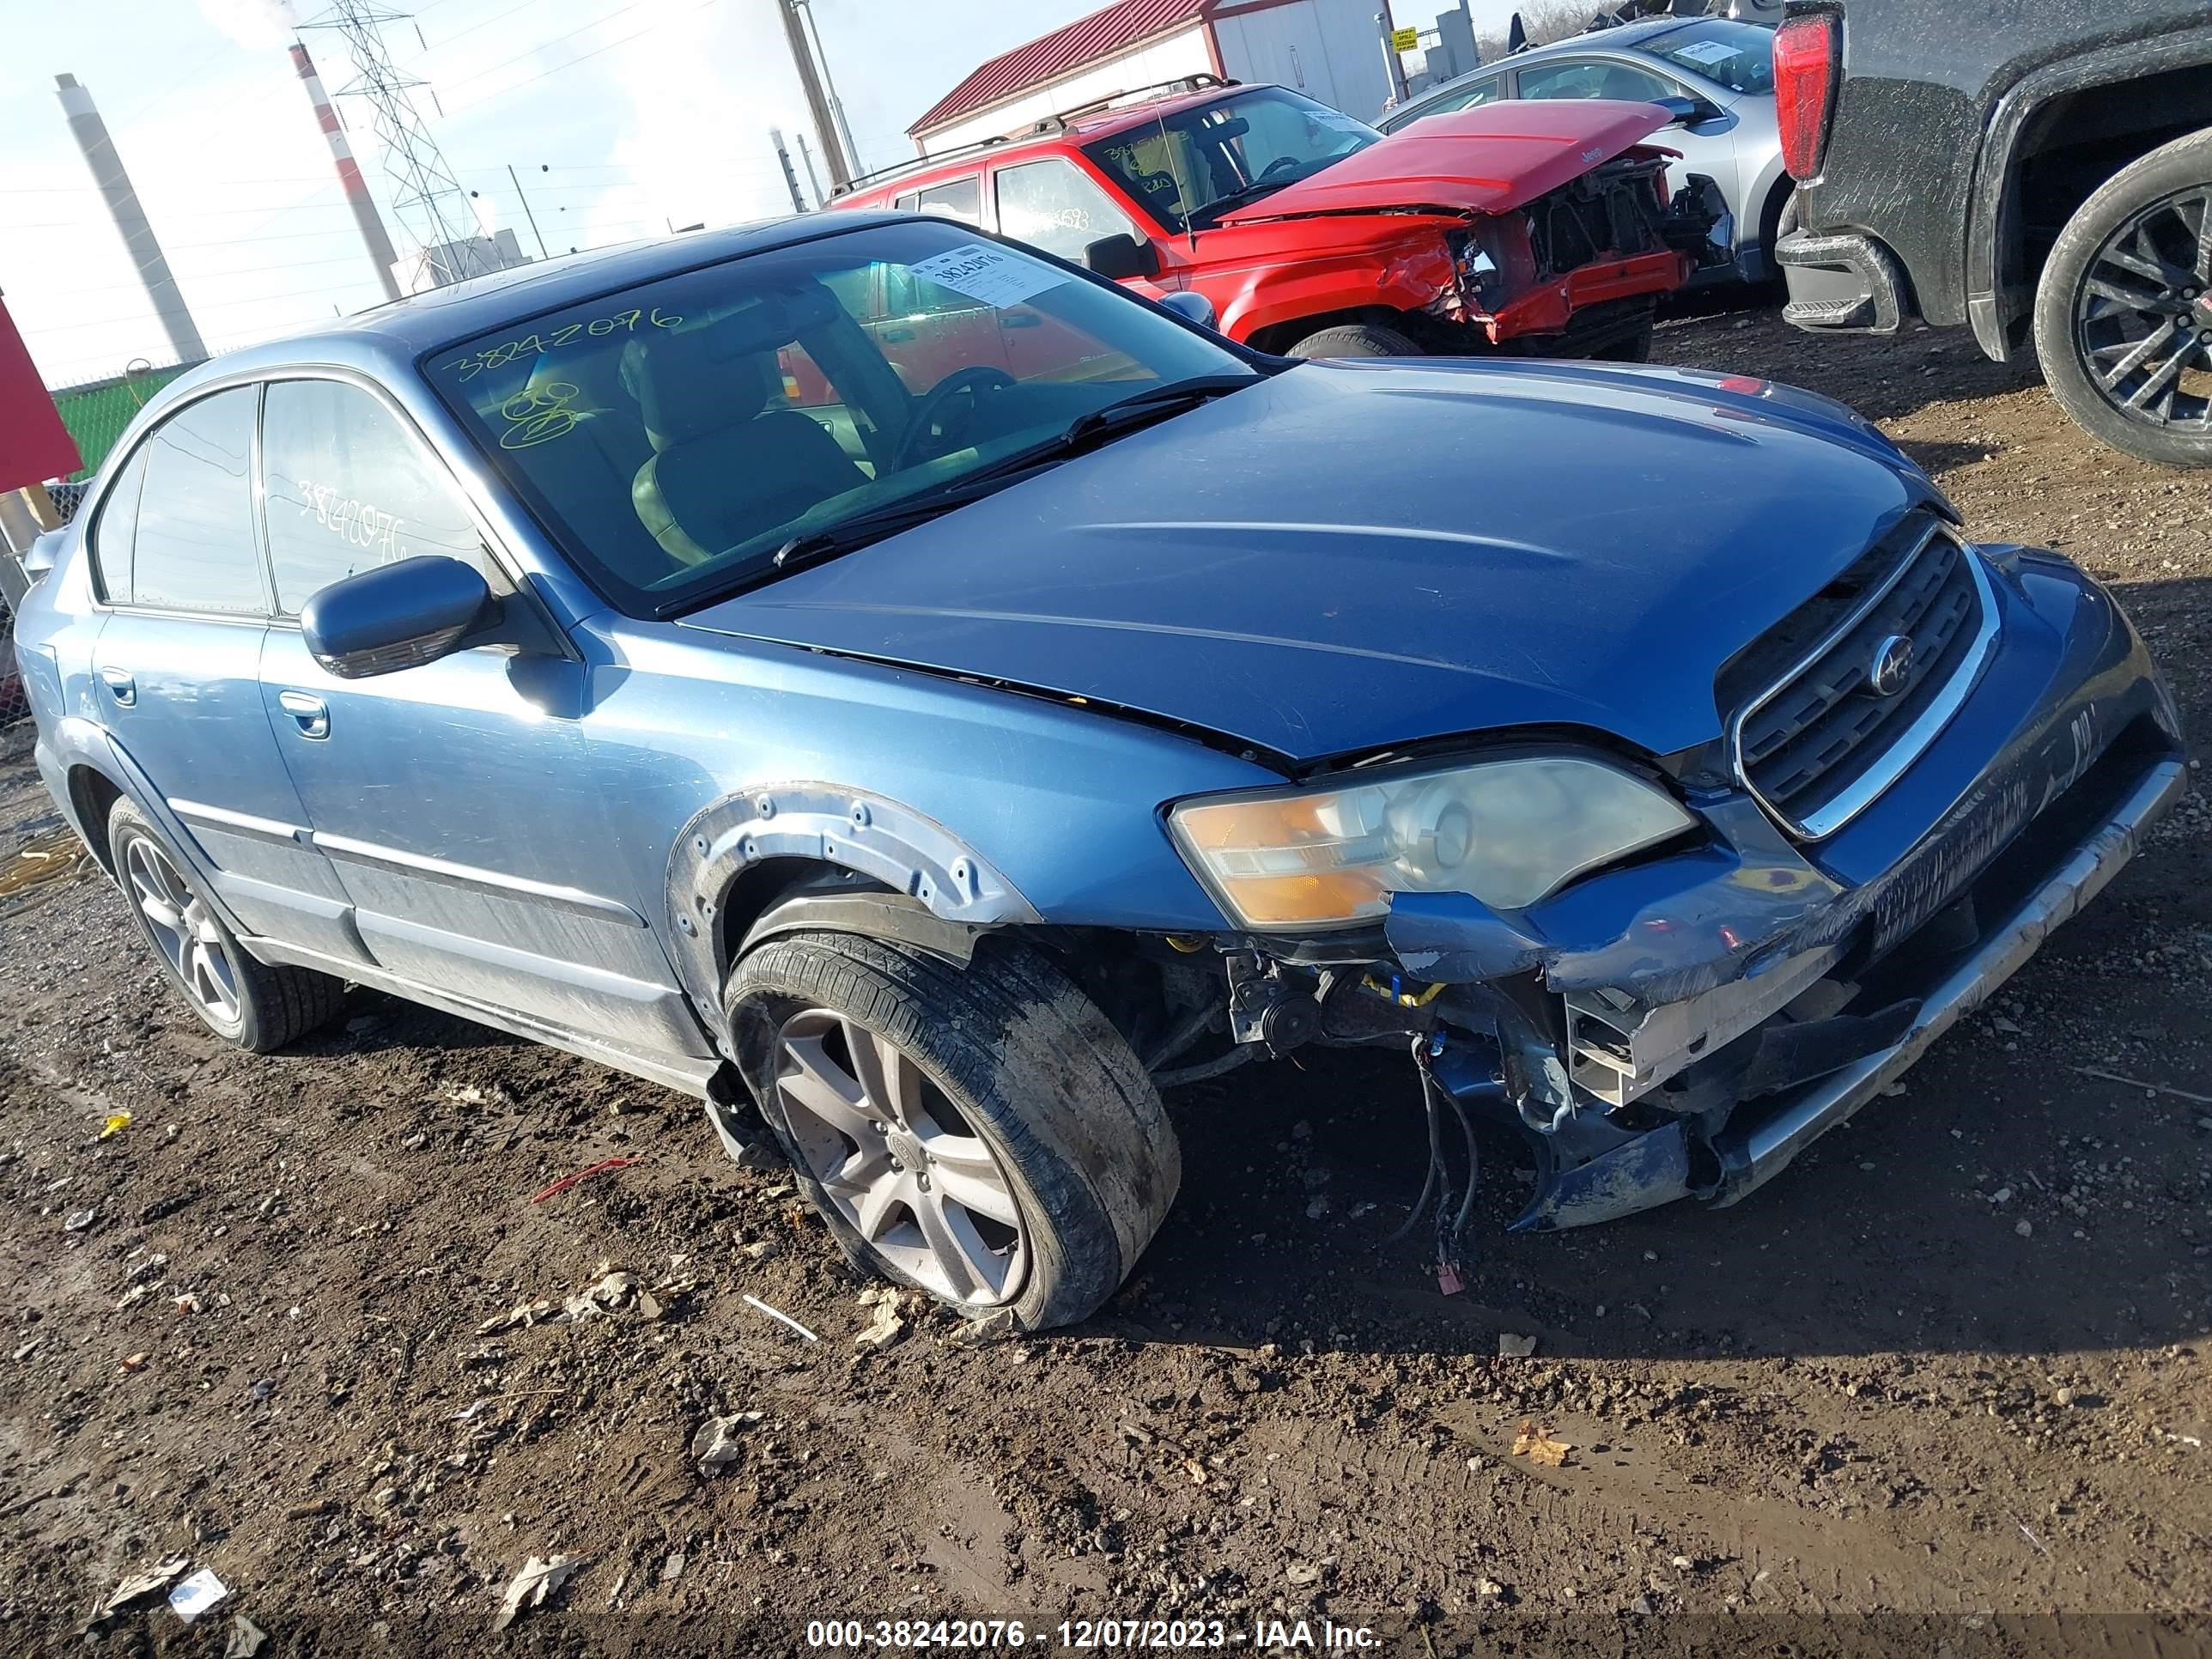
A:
(623, 40)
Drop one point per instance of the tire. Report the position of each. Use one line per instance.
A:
(1030, 1068)
(1356, 340)
(1634, 347)
(2074, 328)
(248, 1004)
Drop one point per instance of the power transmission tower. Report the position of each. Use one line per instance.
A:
(426, 199)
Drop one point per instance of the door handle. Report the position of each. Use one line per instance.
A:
(1021, 319)
(897, 336)
(310, 714)
(121, 686)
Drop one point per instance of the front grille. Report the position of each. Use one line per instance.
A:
(1818, 743)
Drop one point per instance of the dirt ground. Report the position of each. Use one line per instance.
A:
(1945, 1387)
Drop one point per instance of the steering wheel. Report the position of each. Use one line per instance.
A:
(972, 379)
(1277, 166)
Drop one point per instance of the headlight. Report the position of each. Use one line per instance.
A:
(1507, 831)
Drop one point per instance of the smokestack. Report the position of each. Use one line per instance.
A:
(99, 154)
(356, 189)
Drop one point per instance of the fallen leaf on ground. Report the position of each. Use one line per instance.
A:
(537, 1580)
(1538, 1446)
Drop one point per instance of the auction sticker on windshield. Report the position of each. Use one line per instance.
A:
(992, 275)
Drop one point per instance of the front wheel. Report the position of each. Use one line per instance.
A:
(983, 1133)
(1355, 340)
(2123, 308)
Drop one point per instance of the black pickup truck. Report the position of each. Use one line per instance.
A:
(2038, 170)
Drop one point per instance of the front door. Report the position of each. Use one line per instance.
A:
(175, 668)
(449, 798)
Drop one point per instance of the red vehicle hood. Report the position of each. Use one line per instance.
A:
(1473, 161)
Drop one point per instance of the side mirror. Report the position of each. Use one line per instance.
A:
(1121, 257)
(395, 616)
(1686, 112)
(1191, 306)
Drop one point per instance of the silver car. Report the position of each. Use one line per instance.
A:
(1723, 68)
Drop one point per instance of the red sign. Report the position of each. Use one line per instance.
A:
(34, 445)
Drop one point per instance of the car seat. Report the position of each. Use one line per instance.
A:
(724, 465)
(606, 445)
(1625, 85)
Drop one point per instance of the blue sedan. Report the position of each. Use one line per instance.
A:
(923, 701)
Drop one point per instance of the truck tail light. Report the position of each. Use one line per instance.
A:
(1805, 62)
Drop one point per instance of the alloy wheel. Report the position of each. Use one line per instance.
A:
(185, 929)
(895, 1156)
(2142, 318)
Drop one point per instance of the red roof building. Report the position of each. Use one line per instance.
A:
(1328, 49)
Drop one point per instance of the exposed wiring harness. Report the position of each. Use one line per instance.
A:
(1450, 1221)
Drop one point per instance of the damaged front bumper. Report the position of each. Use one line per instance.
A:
(1686, 1027)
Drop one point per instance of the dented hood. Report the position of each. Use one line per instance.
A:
(1472, 160)
(1351, 556)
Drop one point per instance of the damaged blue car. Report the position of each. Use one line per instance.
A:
(925, 700)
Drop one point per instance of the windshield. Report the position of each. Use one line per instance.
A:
(1737, 55)
(674, 436)
(1190, 167)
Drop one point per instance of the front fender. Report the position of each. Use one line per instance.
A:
(1407, 271)
(890, 844)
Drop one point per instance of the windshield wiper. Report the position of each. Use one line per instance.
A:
(1157, 403)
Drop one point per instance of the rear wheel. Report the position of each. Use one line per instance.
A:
(1355, 340)
(257, 1007)
(2123, 308)
(983, 1133)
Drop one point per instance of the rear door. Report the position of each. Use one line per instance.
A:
(175, 669)
(1053, 205)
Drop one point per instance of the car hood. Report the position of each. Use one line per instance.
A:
(1472, 160)
(1347, 556)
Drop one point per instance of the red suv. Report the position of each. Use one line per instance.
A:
(1535, 226)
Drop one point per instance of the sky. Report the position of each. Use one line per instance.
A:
(621, 119)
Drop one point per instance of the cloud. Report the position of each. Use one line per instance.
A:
(257, 25)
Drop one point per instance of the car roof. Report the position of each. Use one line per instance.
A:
(423, 321)
(1623, 37)
(1080, 127)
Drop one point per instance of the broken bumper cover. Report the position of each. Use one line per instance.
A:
(1755, 1155)
(2062, 755)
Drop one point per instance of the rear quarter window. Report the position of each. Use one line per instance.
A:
(112, 531)
(193, 545)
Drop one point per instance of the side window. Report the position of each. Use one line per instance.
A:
(1473, 97)
(1586, 80)
(350, 488)
(1055, 205)
(110, 537)
(193, 549)
(962, 199)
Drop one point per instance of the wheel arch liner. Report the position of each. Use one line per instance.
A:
(824, 824)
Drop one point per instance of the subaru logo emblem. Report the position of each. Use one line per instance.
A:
(1892, 666)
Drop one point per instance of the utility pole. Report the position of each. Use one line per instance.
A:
(830, 86)
(818, 105)
(1396, 70)
(813, 181)
(527, 214)
(790, 178)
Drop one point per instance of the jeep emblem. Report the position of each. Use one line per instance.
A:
(1892, 666)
